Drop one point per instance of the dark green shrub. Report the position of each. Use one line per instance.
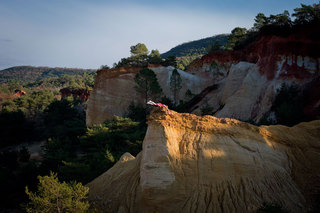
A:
(288, 105)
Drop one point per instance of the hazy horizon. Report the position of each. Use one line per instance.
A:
(88, 34)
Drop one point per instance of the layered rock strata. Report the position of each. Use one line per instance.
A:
(208, 164)
(249, 79)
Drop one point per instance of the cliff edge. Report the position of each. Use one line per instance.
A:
(208, 164)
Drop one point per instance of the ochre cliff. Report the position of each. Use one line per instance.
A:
(246, 81)
(208, 164)
(249, 79)
(114, 90)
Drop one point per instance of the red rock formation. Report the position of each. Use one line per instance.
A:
(249, 78)
(83, 94)
(267, 52)
(19, 93)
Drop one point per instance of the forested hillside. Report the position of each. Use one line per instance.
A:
(29, 73)
(198, 47)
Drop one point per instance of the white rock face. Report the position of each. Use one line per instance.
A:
(246, 94)
(155, 168)
(242, 90)
(192, 82)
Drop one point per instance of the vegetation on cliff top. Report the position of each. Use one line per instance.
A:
(280, 24)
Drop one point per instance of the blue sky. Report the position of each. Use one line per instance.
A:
(91, 33)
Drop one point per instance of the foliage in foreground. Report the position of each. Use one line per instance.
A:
(53, 196)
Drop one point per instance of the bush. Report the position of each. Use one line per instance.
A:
(288, 105)
(62, 120)
(104, 144)
(136, 112)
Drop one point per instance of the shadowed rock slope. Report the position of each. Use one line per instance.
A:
(208, 164)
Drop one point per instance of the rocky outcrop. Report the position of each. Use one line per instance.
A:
(82, 94)
(114, 90)
(208, 164)
(19, 93)
(249, 79)
(236, 84)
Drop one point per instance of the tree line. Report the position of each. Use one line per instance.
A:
(141, 57)
(281, 24)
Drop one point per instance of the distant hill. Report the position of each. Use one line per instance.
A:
(30, 73)
(198, 47)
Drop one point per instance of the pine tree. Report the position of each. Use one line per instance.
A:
(147, 84)
(175, 85)
(260, 21)
(238, 34)
(54, 196)
(139, 49)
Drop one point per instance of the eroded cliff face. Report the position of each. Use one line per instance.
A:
(246, 81)
(249, 79)
(114, 90)
(208, 164)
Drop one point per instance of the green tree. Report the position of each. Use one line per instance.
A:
(216, 46)
(89, 79)
(53, 196)
(32, 104)
(281, 20)
(139, 49)
(154, 57)
(13, 85)
(306, 14)
(136, 112)
(63, 119)
(106, 143)
(38, 101)
(238, 34)
(259, 21)
(288, 105)
(170, 61)
(147, 84)
(175, 85)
